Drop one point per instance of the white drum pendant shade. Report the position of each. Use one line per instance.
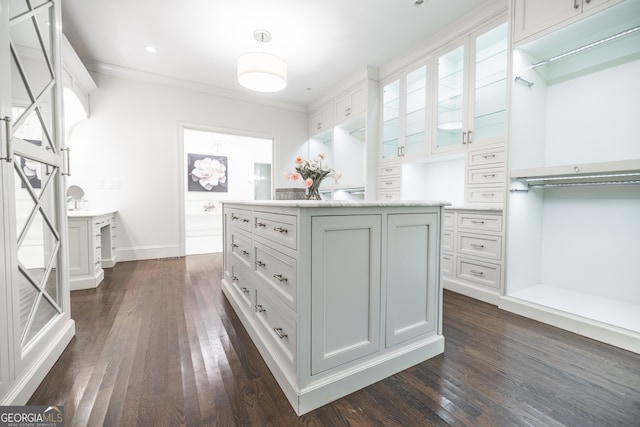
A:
(262, 72)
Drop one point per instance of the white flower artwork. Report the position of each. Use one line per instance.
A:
(207, 173)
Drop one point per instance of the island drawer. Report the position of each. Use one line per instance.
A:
(447, 240)
(278, 272)
(241, 280)
(241, 219)
(240, 247)
(280, 330)
(279, 228)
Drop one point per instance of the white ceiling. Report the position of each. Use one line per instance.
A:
(323, 41)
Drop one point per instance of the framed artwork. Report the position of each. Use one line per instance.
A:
(207, 173)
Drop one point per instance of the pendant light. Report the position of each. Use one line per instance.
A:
(262, 72)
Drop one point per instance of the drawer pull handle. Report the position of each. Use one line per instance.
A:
(280, 277)
(245, 220)
(235, 245)
(281, 229)
(488, 194)
(477, 273)
(489, 156)
(489, 175)
(477, 246)
(244, 290)
(388, 183)
(280, 333)
(388, 170)
(234, 278)
(477, 222)
(260, 224)
(234, 218)
(244, 252)
(260, 264)
(259, 308)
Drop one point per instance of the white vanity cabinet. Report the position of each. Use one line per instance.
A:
(335, 295)
(473, 253)
(92, 247)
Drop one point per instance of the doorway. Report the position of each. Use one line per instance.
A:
(219, 166)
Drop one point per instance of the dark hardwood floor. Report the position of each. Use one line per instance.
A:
(157, 344)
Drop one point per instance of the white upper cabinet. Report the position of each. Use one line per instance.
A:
(470, 106)
(351, 104)
(321, 119)
(404, 112)
(535, 16)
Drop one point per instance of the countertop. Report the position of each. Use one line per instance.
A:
(92, 213)
(337, 203)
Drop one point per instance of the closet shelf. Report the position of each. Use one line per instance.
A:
(621, 172)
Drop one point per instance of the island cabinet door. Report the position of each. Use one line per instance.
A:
(345, 289)
(412, 276)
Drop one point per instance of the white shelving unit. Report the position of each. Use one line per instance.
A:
(574, 203)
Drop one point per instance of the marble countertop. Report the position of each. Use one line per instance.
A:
(474, 208)
(338, 203)
(82, 213)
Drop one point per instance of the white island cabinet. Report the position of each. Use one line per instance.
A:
(335, 295)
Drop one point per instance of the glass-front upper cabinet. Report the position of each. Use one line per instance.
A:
(404, 113)
(471, 101)
(391, 119)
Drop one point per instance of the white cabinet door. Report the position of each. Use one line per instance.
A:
(351, 104)
(321, 120)
(534, 16)
(412, 276)
(471, 91)
(345, 289)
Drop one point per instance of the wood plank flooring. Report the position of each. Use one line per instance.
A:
(157, 344)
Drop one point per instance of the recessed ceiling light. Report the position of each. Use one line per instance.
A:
(150, 49)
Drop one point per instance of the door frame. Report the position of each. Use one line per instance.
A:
(181, 167)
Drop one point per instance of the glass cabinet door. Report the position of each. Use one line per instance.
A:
(450, 105)
(390, 119)
(415, 117)
(490, 95)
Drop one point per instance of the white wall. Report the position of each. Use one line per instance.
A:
(125, 156)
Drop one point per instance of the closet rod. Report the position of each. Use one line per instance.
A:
(590, 45)
(584, 184)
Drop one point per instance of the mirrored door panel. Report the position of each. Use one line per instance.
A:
(35, 179)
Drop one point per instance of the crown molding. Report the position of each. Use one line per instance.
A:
(138, 75)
